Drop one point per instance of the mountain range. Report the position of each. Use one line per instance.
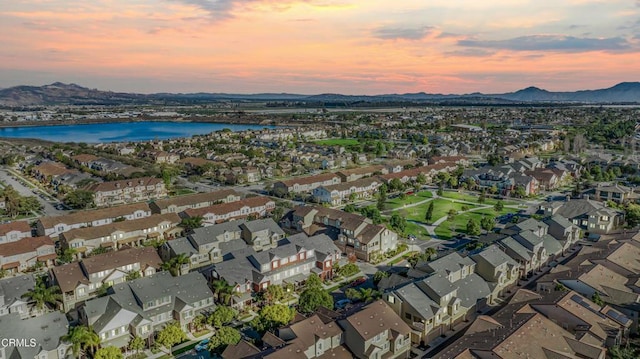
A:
(71, 94)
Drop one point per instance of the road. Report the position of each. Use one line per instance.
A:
(23, 190)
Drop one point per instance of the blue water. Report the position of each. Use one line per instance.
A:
(121, 131)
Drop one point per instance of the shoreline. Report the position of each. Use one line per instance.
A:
(231, 121)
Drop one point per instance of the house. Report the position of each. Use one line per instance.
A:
(346, 191)
(208, 245)
(615, 192)
(127, 191)
(447, 292)
(565, 232)
(257, 207)
(11, 295)
(376, 332)
(36, 338)
(196, 200)
(55, 225)
(497, 269)
(19, 255)
(291, 261)
(355, 235)
(304, 184)
(14, 231)
(547, 178)
(588, 215)
(311, 338)
(80, 281)
(118, 234)
(361, 172)
(520, 335)
(143, 306)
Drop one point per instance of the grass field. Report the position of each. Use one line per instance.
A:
(474, 198)
(337, 142)
(459, 223)
(440, 209)
(410, 199)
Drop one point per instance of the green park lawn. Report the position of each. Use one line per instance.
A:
(409, 199)
(440, 209)
(337, 142)
(459, 224)
(474, 198)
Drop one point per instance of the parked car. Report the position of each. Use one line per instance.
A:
(358, 281)
(202, 345)
(342, 303)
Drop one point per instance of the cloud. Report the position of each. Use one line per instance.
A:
(470, 53)
(405, 33)
(224, 9)
(557, 43)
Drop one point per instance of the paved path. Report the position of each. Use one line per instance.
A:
(7, 177)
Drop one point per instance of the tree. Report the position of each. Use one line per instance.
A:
(482, 197)
(473, 227)
(352, 294)
(174, 264)
(276, 315)
(369, 294)
(274, 293)
(597, 299)
(109, 352)
(313, 281)
(350, 208)
(41, 295)
(81, 339)
(396, 185)
(429, 215)
(221, 316)
(451, 215)
(191, 223)
(487, 223)
(223, 337)
(199, 322)
(618, 352)
(67, 255)
(222, 291)
(632, 214)
(382, 197)
(421, 178)
(171, 335)
(398, 222)
(440, 191)
(498, 207)
(133, 275)
(313, 298)
(379, 275)
(136, 344)
(79, 199)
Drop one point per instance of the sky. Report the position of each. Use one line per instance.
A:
(320, 46)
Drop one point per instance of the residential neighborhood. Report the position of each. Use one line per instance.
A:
(415, 234)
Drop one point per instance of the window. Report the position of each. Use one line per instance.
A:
(407, 315)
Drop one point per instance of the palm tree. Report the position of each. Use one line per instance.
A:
(81, 338)
(42, 295)
(368, 294)
(174, 264)
(222, 291)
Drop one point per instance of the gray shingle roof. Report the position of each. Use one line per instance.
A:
(46, 330)
(206, 235)
(494, 256)
(418, 301)
(450, 263)
(261, 224)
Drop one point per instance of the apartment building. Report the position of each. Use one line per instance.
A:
(355, 235)
(256, 207)
(196, 200)
(18, 256)
(343, 192)
(305, 184)
(14, 231)
(53, 226)
(43, 336)
(127, 191)
(80, 281)
(11, 295)
(118, 234)
(145, 305)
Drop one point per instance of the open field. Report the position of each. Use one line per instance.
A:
(440, 209)
(459, 224)
(410, 199)
(474, 198)
(337, 142)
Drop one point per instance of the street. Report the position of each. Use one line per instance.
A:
(48, 208)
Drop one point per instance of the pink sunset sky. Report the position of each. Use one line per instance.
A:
(319, 46)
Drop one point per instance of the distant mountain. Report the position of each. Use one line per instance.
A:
(72, 94)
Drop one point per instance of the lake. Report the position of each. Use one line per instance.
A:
(121, 131)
